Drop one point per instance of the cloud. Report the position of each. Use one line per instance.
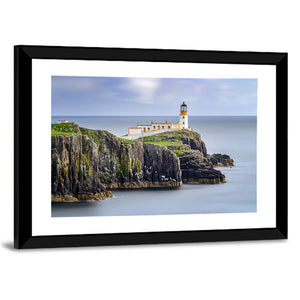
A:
(224, 87)
(146, 96)
(143, 88)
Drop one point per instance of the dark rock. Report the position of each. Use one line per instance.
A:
(198, 169)
(75, 170)
(221, 160)
(161, 162)
(89, 164)
(193, 139)
(189, 140)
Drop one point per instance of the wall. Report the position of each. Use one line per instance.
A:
(184, 121)
(134, 131)
(244, 270)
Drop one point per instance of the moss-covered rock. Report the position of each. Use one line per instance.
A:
(180, 140)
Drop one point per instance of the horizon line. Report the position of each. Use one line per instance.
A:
(153, 116)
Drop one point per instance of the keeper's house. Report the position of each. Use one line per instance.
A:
(183, 124)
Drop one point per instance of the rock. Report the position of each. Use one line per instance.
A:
(161, 162)
(221, 160)
(179, 147)
(75, 168)
(85, 166)
(195, 163)
(193, 139)
(188, 139)
(198, 169)
(86, 163)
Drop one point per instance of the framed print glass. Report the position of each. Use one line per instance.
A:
(133, 146)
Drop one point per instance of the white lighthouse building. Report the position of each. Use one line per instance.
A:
(144, 130)
(183, 117)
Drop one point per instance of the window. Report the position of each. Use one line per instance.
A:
(183, 117)
(182, 122)
(169, 127)
(163, 127)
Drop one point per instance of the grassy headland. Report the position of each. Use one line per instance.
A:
(173, 140)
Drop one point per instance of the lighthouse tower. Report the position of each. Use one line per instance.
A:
(183, 117)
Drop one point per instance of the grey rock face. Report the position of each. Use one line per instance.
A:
(91, 162)
(159, 162)
(75, 166)
(193, 139)
(198, 169)
(87, 165)
(220, 160)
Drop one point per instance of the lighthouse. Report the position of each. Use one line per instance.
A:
(148, 129)
(183, 117)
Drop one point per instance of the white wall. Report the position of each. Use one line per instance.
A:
(184, 121)
(134, 130)
(244, 270)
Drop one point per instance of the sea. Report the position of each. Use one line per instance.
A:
(232, 135)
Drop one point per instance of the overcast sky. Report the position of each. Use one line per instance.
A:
(124, 96)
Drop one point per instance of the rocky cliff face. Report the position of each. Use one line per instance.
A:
(86, 165)
(181, 139)
(198, 169)
(196, 165)
(75, 169)
(193, 140)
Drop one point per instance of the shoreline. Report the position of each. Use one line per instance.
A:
(130, 186)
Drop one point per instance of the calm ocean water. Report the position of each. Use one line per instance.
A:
(235, 136)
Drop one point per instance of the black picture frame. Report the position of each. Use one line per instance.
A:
(23, 56)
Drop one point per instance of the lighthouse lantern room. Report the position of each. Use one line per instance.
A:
(183, 117)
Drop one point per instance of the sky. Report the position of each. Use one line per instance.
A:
(129, 96)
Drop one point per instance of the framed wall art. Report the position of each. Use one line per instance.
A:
(117, 146)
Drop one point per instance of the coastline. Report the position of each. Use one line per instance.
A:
(235, 136)
(87, 164)
(83, 197)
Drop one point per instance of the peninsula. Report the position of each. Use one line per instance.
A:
(88, 164)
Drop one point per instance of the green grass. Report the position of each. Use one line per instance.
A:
(174, 133)
(63, 126)
(91, 133)
(165, 143)
(125, 140)
(54, 132)
(67, 129)
(160, 135)
(178, 152)
(158, 139)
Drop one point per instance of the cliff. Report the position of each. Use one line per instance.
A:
(87, 164)
(196, 165)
